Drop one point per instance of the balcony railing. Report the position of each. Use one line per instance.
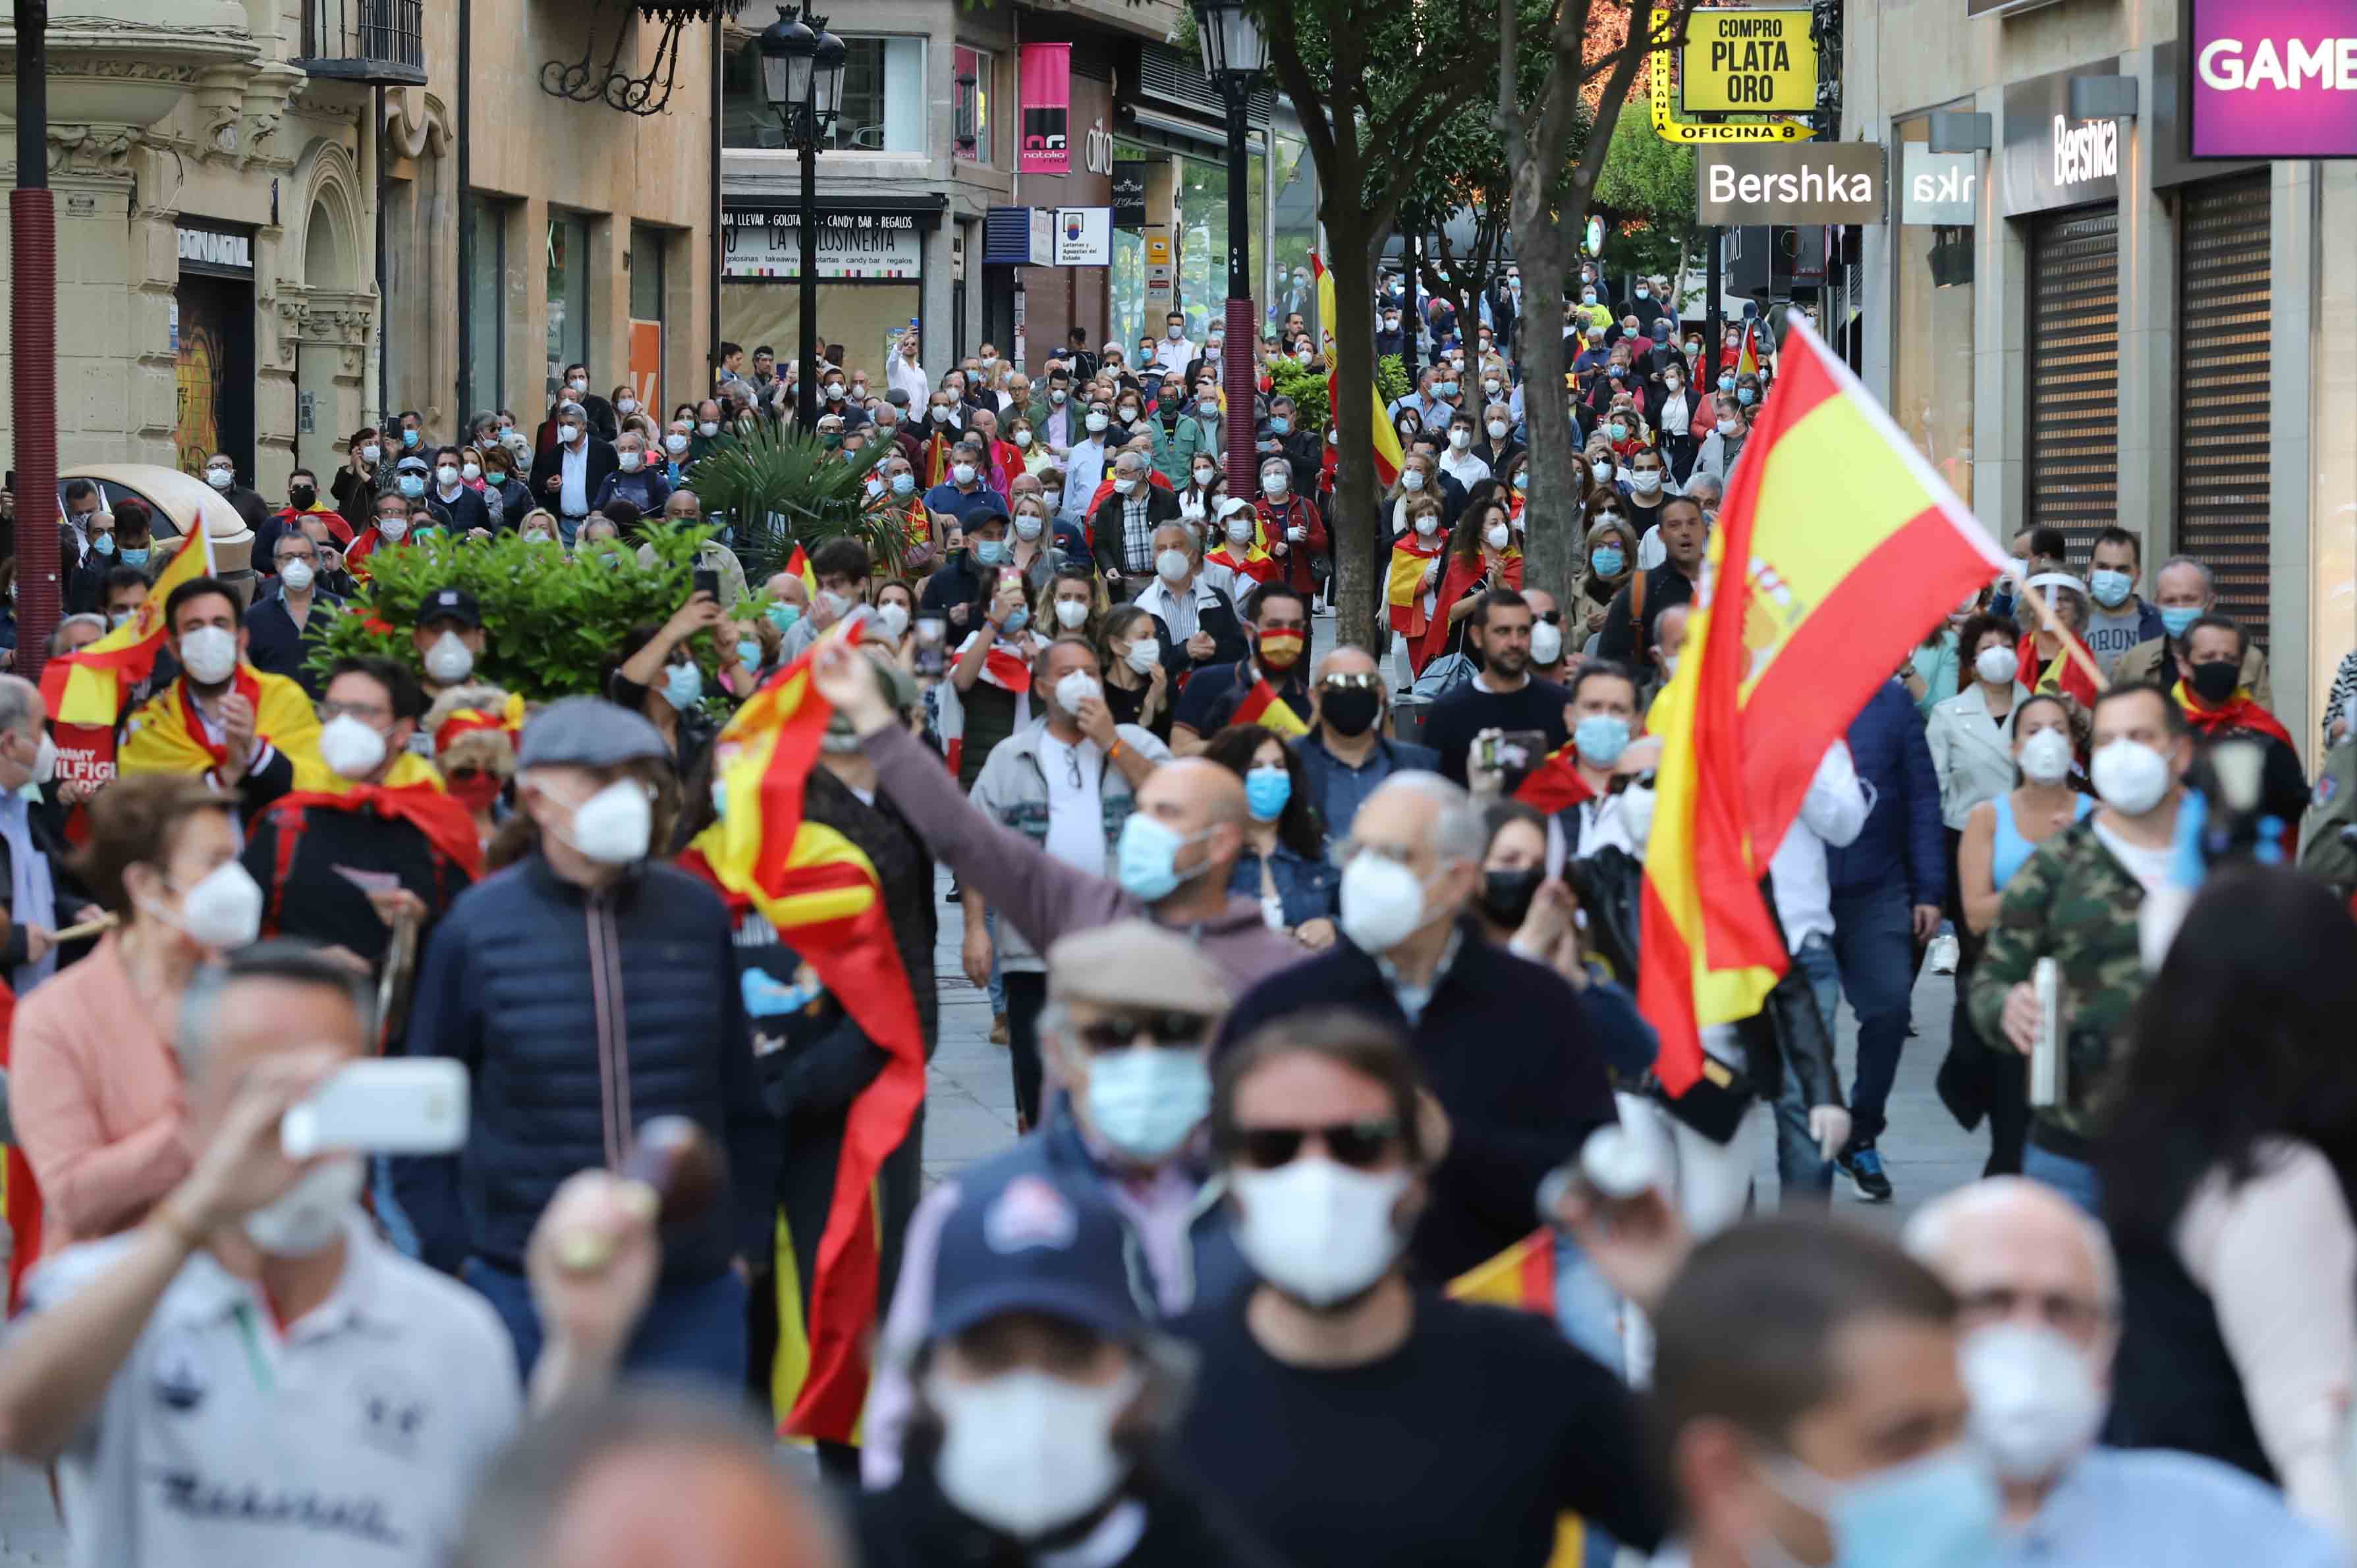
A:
(379, 42)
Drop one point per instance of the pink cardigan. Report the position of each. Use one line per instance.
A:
(95, 1094)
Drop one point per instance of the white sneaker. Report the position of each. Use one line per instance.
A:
(1943, 954)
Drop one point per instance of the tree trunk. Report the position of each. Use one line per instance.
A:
(1358, 544)
(1558, 475)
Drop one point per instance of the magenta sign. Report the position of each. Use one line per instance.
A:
(2272, 78)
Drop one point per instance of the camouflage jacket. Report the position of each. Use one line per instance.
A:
(2073, 902)
(2331, 809)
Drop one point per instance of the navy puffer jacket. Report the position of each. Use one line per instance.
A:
(581, 1016)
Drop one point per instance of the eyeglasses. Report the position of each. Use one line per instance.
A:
(369, 713)
(2072, 1315)
(1118, 1033)
(1358, 1145)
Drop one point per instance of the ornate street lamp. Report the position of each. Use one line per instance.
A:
(802, 76)
(1233, 56)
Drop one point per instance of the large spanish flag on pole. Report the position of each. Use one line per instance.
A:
(1388, 456)
(821, 894)
(1838, 547)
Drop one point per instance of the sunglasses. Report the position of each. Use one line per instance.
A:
(1361, 681)
(1358, 1145)
(1119, 1033)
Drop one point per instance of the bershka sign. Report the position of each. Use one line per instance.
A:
(2050, 160)
(2272, 79)
(1835, 182)
(1938, 188)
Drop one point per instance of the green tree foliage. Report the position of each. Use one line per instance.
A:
(550, 624)
(1646, 192)
(1392, 381)
(783, 488)
(1306, 388)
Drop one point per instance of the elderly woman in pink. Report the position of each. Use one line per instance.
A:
(94, 1087)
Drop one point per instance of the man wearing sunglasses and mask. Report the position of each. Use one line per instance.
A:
(1042, 1391)
(1351, 1414)
(1125, 1041)
(1346, 754)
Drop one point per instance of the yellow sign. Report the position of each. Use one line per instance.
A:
(1747, 62)
(1158, 249)
(1661, 90)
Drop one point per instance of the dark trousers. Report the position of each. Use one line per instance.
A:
(692, 1328)
(1025, 996)
(1981, 1077)
(1874, 943)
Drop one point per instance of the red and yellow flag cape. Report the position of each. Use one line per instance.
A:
(167, 737)
(823, 896)
(1404, 586)
(412, 792)
(1554, 784)
(1264, 707)
(1848, 547)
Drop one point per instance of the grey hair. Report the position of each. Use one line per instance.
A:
(2209, 582)
(57, 638)
(508, 1523)
(286, 959)
(1136, 460)
(1930, 1230)
(20, 705)
(569, 410)
(1700, 483)
(1456, 830)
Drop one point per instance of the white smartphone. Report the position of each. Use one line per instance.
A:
(400, 1105)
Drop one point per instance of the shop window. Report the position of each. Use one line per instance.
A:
(568, 295)
(1932, 337)
(971, 99)
(487, 294)
(883, 100)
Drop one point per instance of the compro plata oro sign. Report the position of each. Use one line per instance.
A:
(1831, 182)
(1747, 60)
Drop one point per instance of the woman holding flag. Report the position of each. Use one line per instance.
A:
(1482, 555)
(992, 676)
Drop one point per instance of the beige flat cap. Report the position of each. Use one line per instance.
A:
(1136, 963)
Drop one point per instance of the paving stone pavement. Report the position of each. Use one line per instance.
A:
(970, 1114)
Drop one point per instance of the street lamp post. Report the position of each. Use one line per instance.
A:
(1234, 55)
(802, 76)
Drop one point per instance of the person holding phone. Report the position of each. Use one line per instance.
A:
(993, 672)
(656, 675)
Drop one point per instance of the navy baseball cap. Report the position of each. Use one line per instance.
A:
(1036, 1244)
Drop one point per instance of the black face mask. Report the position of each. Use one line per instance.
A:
(1506, 895)
(300, 497)
(1350, 710)
(2215, 683)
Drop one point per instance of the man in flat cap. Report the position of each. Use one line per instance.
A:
(1131, 1009)
(589, 990)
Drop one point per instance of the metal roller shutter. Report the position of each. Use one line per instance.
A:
(2074, 375)
(2225, 388)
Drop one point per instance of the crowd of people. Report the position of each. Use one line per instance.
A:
(1349, 1222)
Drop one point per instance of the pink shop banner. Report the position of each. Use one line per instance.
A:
(1047, 109)
(2274, 78)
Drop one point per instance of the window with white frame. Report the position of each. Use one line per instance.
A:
(883, 100)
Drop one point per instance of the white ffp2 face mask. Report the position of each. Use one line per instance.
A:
(449, 660)
(613, 826)
(2035, 1406)
(222, 909)
(1318, 1231)
(1027, 1451)
(305, 1219)
(350, 747)
(209, 655)
(1383, 903)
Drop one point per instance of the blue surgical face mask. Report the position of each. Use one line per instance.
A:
(1601, 738)
(409, 437)
(683, 686)
(748, 652)
(1608, 560)
(784, 615)
(1744, 395)
(904, 484)
(1444, 389)
(2107, 588)
(1016, 621)
(1145, 861)
(990, 551)
(104, 544)
(1267, 790)
(1146, 1100)
(1619, 430)
(1726, 383)
(413, 485)
(2174, 618)
(1939, 1511)
(1279, 426)
(132, 557)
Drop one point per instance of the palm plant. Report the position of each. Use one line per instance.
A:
(782, 488)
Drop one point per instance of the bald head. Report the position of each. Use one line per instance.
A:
(1203, 804)
(2015, 1250)
(788, 588)
(1343, 660)
(1669, 633)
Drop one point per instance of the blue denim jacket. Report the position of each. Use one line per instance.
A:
(1309, 890)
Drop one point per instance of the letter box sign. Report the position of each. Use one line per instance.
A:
(1828, 182)
(2272, 79)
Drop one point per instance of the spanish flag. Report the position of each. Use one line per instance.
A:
(1554, 784)
(1851, 547)
(1388, 456)
(412, 792)
(1412, 554)
(1523, 1278)
(86, 688)
(167, 734)
(1264, 707)
(823, 896)
(798, 565)
(1746, 357)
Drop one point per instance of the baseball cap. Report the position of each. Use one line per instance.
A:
(1037, 1244)
(450, 604)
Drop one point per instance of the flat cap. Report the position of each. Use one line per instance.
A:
(1136, 963)
(587, 731)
